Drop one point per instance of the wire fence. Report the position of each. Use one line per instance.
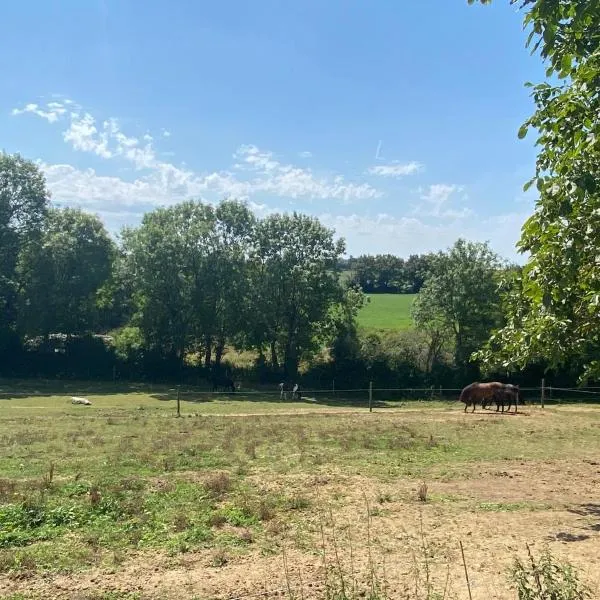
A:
(371, 397)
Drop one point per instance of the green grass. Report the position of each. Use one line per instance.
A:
(85, 487)
(387, 312)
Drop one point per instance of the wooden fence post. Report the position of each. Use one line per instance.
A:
(543, 398)
(178, 404)
(370, 396)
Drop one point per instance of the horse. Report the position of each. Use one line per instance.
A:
(222, 381)
(510, 393)
(482, 393)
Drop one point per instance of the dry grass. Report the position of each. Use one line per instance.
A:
(119, 494)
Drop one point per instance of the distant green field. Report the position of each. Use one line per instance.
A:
(387, 311)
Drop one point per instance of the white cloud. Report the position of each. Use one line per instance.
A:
(396, 169)
(259, 170)
(54, 111)
(305, 154)
(166, 133)
(436, 202)
(403, 236)
(295, 182)
(83, 135)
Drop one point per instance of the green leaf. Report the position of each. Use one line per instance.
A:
(523, 131)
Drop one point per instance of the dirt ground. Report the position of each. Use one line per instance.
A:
(494, 509)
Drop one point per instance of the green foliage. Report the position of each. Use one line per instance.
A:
(23, 205)
(459, 305)
(295, 284)
(555, 312)
(546, 578)
(385, 273)
(61, 274)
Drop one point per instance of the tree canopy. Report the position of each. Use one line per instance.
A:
(555, 312)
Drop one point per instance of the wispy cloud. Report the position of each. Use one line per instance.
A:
(52, 113)
(305, 154)
(436, 202)
(396, 169)
(385, 233)
(295, 182)
(162, 182)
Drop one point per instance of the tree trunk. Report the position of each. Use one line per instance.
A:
(219, 349)
(207, 352)
(274, 358)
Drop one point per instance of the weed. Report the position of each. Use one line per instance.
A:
(546, 578)
(218, 484)
(219, 558)
(297, 502)
(422, 492)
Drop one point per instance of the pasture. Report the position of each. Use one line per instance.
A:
(387, 312)
(241, 496)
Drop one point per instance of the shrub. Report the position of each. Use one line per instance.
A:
(546, 579)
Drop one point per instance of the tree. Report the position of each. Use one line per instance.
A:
(61, 275)
(459, 303)
(165, 258)
(555, 311)
(24, 202)
(295, 282)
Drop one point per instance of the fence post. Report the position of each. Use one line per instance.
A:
(333, 387)
(178, 404)
(370, 396)
(543, 398)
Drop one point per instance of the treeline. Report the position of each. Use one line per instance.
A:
(386, 273)
(195, 284)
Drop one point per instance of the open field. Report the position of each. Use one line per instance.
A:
(387, 311)
(122, 499)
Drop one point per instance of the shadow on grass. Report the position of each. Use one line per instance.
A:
(270, 397)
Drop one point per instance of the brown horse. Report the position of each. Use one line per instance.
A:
(509, 393)
(481, 393)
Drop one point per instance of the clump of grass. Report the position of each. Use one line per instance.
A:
(8, 489)
(219, 558)
(422, 492)
(546, 578)
(297, 502)
(218, 483)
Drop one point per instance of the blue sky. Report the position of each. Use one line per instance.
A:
(393, 122)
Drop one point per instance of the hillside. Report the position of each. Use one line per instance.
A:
(387, 311)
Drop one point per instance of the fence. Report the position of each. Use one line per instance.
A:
(370, 397)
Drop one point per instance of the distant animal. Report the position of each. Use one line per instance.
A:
(480, 393)
(79, 400)
(284, 388)
(223, 382)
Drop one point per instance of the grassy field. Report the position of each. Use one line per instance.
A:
(387, 311)
(122, 499)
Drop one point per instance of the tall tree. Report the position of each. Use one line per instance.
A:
(555, 314)
(164, 258)
(61, 275)
(459, 300)
(24, 202)
(295, 282)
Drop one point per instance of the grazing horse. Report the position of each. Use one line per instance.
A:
(222, 381)
(509, 393)
(480, 393)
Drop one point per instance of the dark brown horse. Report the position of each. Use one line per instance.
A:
(480, 393)
(510, 394)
